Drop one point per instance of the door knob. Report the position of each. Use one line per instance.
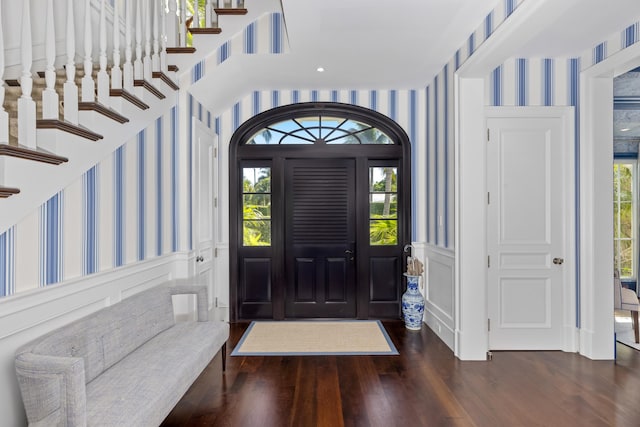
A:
(558, 261)
(349, 254)
(199, 258)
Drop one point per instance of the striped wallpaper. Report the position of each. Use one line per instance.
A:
(122, 210)
(127, 208)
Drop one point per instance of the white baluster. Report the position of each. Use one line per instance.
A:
(147, 71)
(171, 24)
(138, 72)
(49, 96)
(183, 23)
(26, 105)
(103, 76)
(127, 68)
(211, 17)
(195, 23)
(155, 58)
(116, 72)
(163, 38)
(234, 4)
(88, 85)
(220, 4)
(4, 116)
(70, 88)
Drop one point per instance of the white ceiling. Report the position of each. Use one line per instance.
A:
(396, 44)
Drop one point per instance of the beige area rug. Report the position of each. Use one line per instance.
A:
(313, 338)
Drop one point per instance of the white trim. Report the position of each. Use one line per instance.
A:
(470, 305)
(596, 231)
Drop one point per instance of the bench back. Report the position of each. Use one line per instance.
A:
(106, 336)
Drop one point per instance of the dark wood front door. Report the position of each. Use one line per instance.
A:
(320, 226)
(320, 209)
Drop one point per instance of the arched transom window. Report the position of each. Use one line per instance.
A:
(319, 129)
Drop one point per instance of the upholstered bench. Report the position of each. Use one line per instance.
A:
(125, 365)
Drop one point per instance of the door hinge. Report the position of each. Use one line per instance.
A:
(489, 325)
(488, 261)
(215, 152)
(488, 198)
(488, 137)
(215, 253)
(215, 202)
(489, 355)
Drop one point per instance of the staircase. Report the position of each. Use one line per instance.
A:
(66, 105)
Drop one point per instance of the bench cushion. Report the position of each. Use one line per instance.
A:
(149, 382)
(106, 336)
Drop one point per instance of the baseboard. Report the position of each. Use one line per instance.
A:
(441, 329)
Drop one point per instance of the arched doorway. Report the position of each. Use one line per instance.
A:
(319, 213)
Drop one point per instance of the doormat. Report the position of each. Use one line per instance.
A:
(315, 338)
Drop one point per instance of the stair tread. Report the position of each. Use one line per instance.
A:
(129, 97)
(102, 109)
(162, 76)
(8, 191)
(38, 154)
(205, 30)
(148, 86)
(228, 11)
(68, 127)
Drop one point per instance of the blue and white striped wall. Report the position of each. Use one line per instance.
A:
(534, 82)
(121, 211)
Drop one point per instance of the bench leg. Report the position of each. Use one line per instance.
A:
(224, 357)
(634, 319)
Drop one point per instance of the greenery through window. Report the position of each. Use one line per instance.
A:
(256, 206)
(383, 206)
(319, 130)
(624, 217)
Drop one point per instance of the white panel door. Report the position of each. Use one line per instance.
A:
(204, 205)
(526, 235)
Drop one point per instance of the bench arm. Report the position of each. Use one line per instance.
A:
(53, 389)
(201, 293)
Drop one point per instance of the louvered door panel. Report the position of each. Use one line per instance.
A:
(320, 228)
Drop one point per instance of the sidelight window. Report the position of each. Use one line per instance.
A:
(625, 217)
(256, 206)
(383, 206)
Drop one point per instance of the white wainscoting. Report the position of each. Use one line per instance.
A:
(28, 315)
(438, 290)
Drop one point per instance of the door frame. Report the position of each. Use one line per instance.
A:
(238, 153)
(205, 257)
(566, 116)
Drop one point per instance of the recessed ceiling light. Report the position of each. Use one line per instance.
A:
(320, 69)
(625, 129)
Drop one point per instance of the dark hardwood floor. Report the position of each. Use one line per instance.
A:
(424, 386)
